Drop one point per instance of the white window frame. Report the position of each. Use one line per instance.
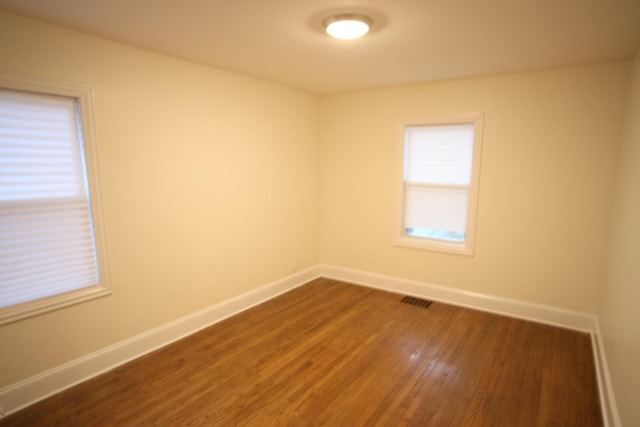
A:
(400, 237)
(84, 98)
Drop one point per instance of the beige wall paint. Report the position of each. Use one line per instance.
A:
(190, 155)
(619, 311)
(547, 169)
(210, 188)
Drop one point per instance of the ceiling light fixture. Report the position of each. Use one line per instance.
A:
(347, 26)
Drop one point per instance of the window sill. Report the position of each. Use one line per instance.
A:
(434, 245)
(33, 308)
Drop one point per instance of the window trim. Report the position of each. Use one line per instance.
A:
(85, 102)
(400, 237)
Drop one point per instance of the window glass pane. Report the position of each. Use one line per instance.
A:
(441, 210)
(39, 149)
(46, 239)
(439, 154)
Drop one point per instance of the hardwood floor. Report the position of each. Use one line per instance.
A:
(334, 354)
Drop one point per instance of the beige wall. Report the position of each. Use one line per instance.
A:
(620, 305)
(549, 147)
(215, 184)
(210, 188)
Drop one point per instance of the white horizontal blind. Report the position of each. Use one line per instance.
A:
(436, 208)
(46, 239)
(437, 178)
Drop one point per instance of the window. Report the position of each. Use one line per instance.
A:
(51, 243)
(439, 185)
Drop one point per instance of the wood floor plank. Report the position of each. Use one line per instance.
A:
(334, 354)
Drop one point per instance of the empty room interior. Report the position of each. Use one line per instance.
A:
(255, 223)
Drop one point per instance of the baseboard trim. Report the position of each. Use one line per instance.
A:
(576, 320)
(31, 390)
(610, 414)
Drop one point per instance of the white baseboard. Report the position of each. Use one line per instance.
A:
(41, 386)
(569, 319)
(610, 414)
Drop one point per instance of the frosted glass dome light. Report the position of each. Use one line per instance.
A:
(348, 26)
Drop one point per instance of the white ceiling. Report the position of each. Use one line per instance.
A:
(411, 40)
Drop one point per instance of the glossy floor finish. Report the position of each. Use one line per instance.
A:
(334, 354)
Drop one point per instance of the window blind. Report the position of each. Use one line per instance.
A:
(436, 208)
(437, 177)
(47, 245)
